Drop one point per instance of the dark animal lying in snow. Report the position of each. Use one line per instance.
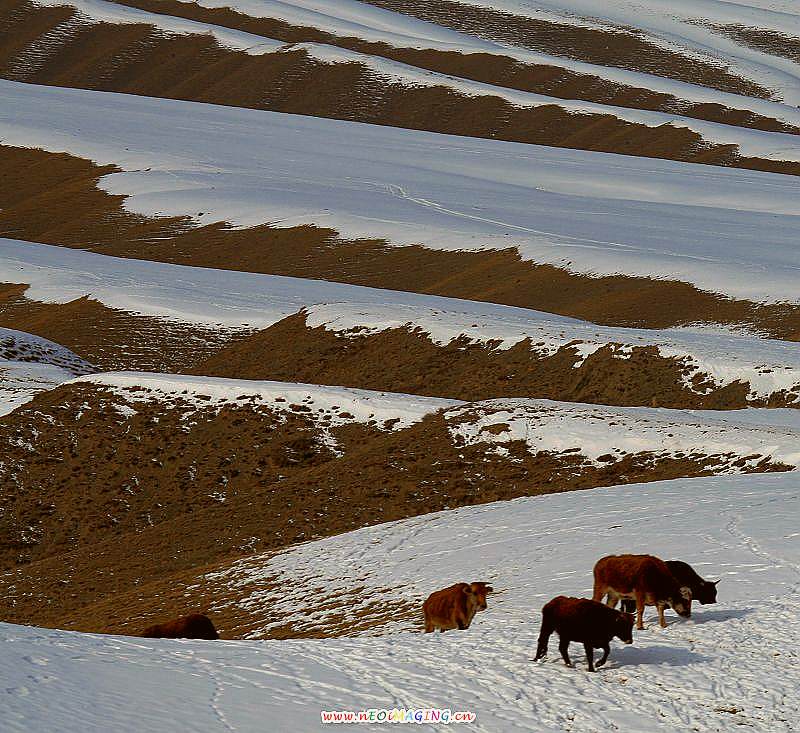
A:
(194, 626)
(591, 623)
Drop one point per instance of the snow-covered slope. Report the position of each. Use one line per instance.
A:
(592, 213)
(751, 142)
(30, 364)
(690, 27)
(100, 11)
(733, 664)
(371, 23)
(327, 407)
(236, 299)
(740, 439)
(610, 433)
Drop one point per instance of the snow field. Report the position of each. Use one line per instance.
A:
(732, 664)
(592, 213)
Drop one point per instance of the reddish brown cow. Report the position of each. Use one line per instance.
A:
(646, 579)
(194, 626)
(589, 622)
(455, 607)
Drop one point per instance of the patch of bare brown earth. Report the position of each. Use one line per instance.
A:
(48, 46)
(112, 339)
(768, 41)
(54, 199)
(404, 361)
(108, 513)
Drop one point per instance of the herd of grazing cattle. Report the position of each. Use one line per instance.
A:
(642, 580)
(636, 580)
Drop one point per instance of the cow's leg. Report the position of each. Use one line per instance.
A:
(563, 647)
(612, 599)
(428, 626)
(639, 611)
(606, 651)
(628, 605)
(589, 656)
(598, 592)
(544, 638)
(662, 622)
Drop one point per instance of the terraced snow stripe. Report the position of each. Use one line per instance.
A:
(236, 299)
(724, 230)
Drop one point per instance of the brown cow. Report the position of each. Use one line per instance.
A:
(589, 622)
(194, 626)
(646, 579)
(704, 591)
(455, 607)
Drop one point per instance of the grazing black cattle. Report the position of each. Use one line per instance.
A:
(591, 623)
(704, 591)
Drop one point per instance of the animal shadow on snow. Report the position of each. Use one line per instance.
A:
(632, 656)
(721, 614)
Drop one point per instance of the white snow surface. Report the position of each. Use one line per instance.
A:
(686, 26)
(595, 431)
(30, 364)
(725, 230)
(99, 11)
(733, 664)
(236, 299)
(328, 407)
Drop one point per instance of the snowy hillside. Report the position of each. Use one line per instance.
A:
(732, 664)
(737, 440)
(693, 28)
(309, 308)
(30, 364)
(592, 213)
(325, 407)
(235, 300)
